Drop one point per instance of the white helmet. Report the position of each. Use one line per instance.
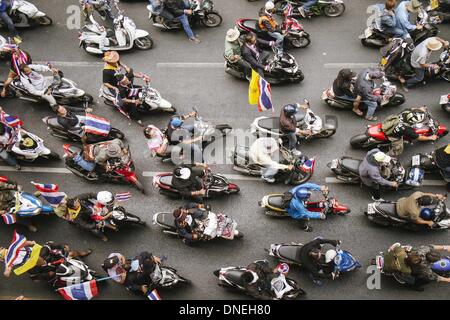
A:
(269, 5)
(330, 255)
(105, 197)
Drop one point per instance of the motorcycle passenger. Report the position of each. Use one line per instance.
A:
(7, 137)
(371, 171)
(257, 279)
(182, 135)
(117, 267)
(312, 259)
(187, 180)
(101, 6)
(420, 56)
(344, 88)
(18, 57)
(268, 23)
(180, 9)
(187, 221)
(400, 127)
(5, 7)
(262, 152)
(415, 207)
(156, 141)
(68, 120)
(159, 9)
(128, 98)
(254, 55)
(364, 87)
(233, 52)
(288, 126)
(404, 15)
(388, 21)
(298, 208)
(312, 123)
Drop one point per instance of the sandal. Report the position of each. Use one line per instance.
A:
(373, 118)
(358, 112)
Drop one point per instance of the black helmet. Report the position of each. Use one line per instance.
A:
(111, 262)
(290, 109)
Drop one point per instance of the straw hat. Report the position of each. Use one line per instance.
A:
(434, 44)
(232, 35)
(111, 57)
(414, 5)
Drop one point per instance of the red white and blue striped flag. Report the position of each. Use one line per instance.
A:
(17, 243)
(11, 121)
(83, 291)
(308, 165)
(121, 197)
(50, 193)
(153, 295)
(265, 95)
(9, 218)
(96, 125)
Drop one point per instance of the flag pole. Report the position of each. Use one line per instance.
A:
(96, 280)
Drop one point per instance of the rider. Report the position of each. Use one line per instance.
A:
(262, 152)
(415, 207)
(257, 279)
(254, 55)
(371, 172)
(388, 21)
(312, 259)
(298, 209)
(343, 87)
(404, 15)
(187, 180)
(129, 97)
(442, 157)
(288, 126)
(18, 57)
(364, 87)
(89, 6)
(6, 141)
(306, 7)
(268, 23)
(186, 221)
(233, 52)
(180, 9)
(156, 141)
(5, 7)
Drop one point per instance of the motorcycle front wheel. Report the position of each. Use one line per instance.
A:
(446, 76)
(212, 19)
(44, 21)
(301, 42)
(397, 100)
(144, 43)
(334, 10)
(359, 141)
(326, 133)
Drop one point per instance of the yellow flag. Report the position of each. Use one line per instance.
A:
(253, 89)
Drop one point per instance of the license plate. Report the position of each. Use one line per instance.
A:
(334, 164)
(416, 160)
(443, 100)
(370, 208)
(368, 32)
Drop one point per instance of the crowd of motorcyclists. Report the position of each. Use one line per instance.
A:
(104, 154)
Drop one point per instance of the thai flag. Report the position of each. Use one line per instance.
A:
(82, 291)
(50, 193)
(96, 125)
(154, 295)
(17, 243)
(265, 95)
(9, 218)
(308, 165)
(121, 197)
(3, 179)
(11, 121)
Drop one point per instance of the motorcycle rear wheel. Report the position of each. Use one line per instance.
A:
(212, 19)
(53, 156)
(326, 133)
(301, 42)
(334, 10)
(446, 76)
(144, 43)
(359, 141)
(44, 21)
(397, 100)
(139, 186)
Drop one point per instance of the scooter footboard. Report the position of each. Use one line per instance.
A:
(331, 121)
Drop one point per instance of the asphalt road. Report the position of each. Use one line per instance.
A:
(221, 98)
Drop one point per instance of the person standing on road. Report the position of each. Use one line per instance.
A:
(180, 10)
(5, 6)
(365, 86)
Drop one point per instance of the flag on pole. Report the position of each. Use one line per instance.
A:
(265, 96)
(308, 165)
(9, 218)
(11, 121)
(50, 193)
(96, 125)
(83, 291)
(153, 295)
(253, 89)
(122, 197)
(17, 243)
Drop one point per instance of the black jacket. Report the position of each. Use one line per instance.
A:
(313, 267)
(176, 7)
(251, 57)
(86, 206)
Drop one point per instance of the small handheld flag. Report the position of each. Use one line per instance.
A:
(96, 125)
(9, 218)
(82, 291)
(122, 197)
(153, 295)
(50, 193)
(17, 243)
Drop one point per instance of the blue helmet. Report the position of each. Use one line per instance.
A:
(426, 214)
(176, 122)
(290, 109)
(302, 194)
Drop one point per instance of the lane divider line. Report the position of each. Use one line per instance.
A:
(72, 63)
(332, 180)
(183, 65)
(341, 65)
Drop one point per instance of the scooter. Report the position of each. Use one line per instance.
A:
(385, 214)
(121, 218)
(24, 14)
(72, 272)
(276, 208)
(445, 102)
(122, 170)
(295, 34)
(329, 8)
(388, 91)
(27, 205)
(429, 164)
(95, 39)
(202, 13)
(376, 138)
(214, 184)
(215, 225)
(302, 172)
(439, 9)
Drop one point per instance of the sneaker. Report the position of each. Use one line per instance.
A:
(378, 200)
(104, 238)
(296, 153)
(195, 40)
(269, 180)
(302, 12)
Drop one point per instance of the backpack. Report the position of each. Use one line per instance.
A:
(286, 199)
(390, 123)
(394, 261)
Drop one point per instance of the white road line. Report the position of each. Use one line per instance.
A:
(341, 65)
(75, 64)
(332, 180)
(228, 176)
(184, 65)
(35, 169)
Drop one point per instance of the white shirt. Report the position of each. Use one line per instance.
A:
(421, 54)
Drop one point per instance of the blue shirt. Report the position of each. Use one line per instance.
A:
(402, 15)
(297, 208)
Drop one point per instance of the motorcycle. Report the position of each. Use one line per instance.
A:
(96, 39)
(120, 218)
(24, 14)
(150, 97)
(440, 10)
(302, 172)
(388, 91)
(445, 102)
(346, 169)
(75, 135)
(329, 8)
(72, 272)
(385, 214)
(290, 252)
(329, 205)
(373, 37)
(282, 288)
(122, 170)
(202, 13)
(295, 34)
(214, 184)
(215, 225)
(429, 164)
(376, 138)
(284, 70)
(27, 205)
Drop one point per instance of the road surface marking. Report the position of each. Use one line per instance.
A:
(424, 182)
(82, 64)
(228, 176)
(183, 65)
(341, 65)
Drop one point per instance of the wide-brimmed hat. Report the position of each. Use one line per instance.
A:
(414, 5)
(111, 57)
(113, 150)
(232, 35)
(434, 44)
(382, 157)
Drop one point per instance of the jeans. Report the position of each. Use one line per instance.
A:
(371, 107)
(8, 158)
(195, 151)
(9, 23)
(308, 4)
(187, 28)
(278, 42)
(262, 58)
(397, 32)
(292, 138)
(269, 172)
(245, 66)
(86, 165)
(50, 99)
(419, 76)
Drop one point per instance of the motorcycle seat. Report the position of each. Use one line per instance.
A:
(242, 152)
(251, 24)
(272, 123)
(167, 180)
(389, 208)
(289, 252)
(235, 276)
(351, 164)
(276, 201)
